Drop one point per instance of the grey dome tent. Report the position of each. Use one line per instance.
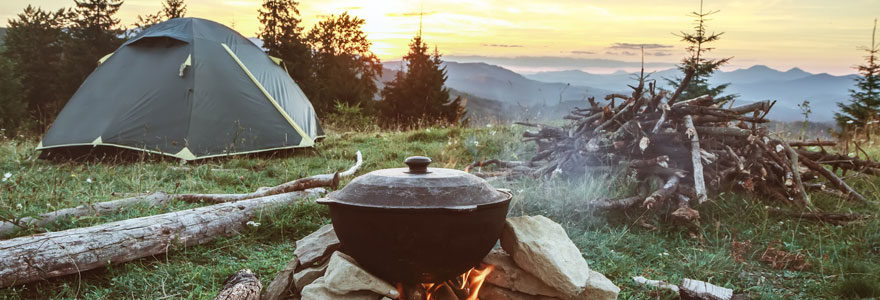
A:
(188, 88)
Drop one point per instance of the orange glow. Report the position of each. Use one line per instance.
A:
(476, 278)
(471, 282)
(816, 35)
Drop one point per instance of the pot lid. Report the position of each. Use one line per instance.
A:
(418, 186)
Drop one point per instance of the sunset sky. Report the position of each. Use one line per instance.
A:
(815, 35)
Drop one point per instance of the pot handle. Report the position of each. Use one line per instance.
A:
(417, 164)
(324, 201)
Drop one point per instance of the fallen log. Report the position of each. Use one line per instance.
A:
(160, 198)
(42, 256)
(241, 285)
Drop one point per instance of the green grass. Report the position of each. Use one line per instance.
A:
(844, 259)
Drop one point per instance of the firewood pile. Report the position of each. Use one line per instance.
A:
(693, 147)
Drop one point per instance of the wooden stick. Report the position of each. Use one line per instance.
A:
(812, 143)
(696, 160)
(836, 181)
(793, 156)
(663, 193)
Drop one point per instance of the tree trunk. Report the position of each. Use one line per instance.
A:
(41, 256)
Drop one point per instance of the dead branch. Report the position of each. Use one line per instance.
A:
(38, 257)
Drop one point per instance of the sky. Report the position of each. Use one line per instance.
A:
(814, 35)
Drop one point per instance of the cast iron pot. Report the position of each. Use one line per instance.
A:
(417, 224)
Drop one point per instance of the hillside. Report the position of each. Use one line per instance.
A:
(756, 83)
(500, 84)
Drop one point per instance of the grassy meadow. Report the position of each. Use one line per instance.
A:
(844, 261)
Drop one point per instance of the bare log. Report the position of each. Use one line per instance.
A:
(793, 157)
(813, 143)
(161, 198)
(41, 256)
(696, 160)
(663, 193)
(100, 208)
(241, 285)
(761, 106)
(833, 179)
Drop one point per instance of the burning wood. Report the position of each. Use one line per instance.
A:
(693, 148)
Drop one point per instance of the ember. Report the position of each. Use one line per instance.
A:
(464, 287)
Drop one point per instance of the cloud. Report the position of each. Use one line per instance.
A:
(627, 53)
(658, 53)
(502, 45)
(582, 52)
(522, 62)
(632, 46)
(410, 14)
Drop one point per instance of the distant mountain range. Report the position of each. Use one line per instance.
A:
(544, 90)
(756, 83)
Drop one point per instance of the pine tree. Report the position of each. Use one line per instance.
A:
(418, 93)
(282, 36)
(174, 9)
(94, 33)
(864, 106)
(34, 45)
(13, 107)
(170, 9)
(702, 68)
(345, 69)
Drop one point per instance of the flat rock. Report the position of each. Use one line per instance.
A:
(599, 287)
(281, 286)
(541, 247)
(343, 275)
(509, 276)
(695, 289)
(316, 245)
(318, 290)
(306, 276)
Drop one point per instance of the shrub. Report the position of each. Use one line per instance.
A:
(347, 117)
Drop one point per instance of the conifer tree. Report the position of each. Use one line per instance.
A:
(174, 9)
(34, 45)
(864, 102)
(418, 92)
(345, 69)
(170, 9)
(94, 33)
(283, 37)
(697, 84)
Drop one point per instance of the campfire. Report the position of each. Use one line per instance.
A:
(464, 287)
(536, 260)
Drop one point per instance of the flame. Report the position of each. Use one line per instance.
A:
(469, 282)
(476, 279)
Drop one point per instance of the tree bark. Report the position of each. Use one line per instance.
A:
(41, 256)
(696, 160)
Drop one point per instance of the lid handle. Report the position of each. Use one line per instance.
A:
(417, 164)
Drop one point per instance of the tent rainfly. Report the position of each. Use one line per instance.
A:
(188, 88)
